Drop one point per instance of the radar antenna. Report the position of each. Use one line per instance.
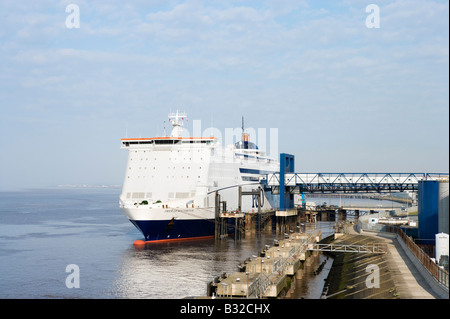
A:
(177, 120)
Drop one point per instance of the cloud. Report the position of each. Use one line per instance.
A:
(310, 68)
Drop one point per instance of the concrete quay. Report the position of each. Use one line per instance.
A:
(399, 278)
(269, 274)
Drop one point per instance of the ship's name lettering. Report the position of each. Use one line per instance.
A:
(178, 210)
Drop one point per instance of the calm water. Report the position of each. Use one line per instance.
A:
(44, 231)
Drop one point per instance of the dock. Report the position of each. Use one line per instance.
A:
(399, 277)
(270, 273)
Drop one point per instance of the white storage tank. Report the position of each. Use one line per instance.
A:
(441, 245)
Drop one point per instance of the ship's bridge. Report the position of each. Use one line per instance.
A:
(126, 142)
(176, 137)
(246, 148)
(245, 145)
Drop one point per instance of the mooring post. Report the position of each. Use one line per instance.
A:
(217, 216)
(259, 208)
(224, 222)
(235, 228)
(240, 199)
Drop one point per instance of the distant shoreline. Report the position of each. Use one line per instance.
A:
(89, 186)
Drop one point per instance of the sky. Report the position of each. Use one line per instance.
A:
(343, 97)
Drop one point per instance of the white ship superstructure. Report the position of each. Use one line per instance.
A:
(170, 181)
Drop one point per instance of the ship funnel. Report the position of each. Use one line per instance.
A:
(244, 136)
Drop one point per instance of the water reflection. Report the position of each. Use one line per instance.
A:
(182, 269)
(308, 284)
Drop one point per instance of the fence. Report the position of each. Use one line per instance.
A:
(441, 275)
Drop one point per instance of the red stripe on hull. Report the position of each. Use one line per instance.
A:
(177, 239)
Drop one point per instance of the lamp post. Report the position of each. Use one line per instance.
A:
(255, 258)
(224, 285)
(247, 282)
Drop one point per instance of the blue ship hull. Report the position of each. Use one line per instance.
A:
(168, 230)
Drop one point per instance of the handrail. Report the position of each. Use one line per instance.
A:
(441, 275)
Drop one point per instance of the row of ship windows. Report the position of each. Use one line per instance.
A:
(143, 195)
(167, 176)
(139, 195)
(167, 142)
(178, 151)
(184, 159)
(154, 167)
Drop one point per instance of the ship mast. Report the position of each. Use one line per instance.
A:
(177, 124)
(244, 137)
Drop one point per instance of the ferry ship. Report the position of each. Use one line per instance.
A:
(171, 181)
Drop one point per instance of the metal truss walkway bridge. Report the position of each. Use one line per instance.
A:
(350, 182)
(342, 248)
(287, 182)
